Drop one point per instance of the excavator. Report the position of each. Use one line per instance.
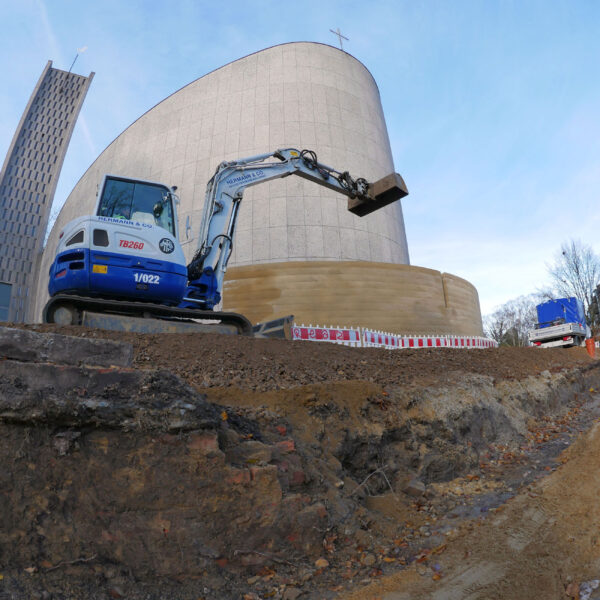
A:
(124, 268)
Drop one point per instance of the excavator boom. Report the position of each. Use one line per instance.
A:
(225, 191)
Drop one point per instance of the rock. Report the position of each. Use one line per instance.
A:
(414, 488)
(368, 559)
(363, 538)
(312, 516)
(587, 588)
(458, 511)
(205, 442)
(291, 593)
(68, 396)
(303, 527)
(297, 477)
(228, 437)
(29, 346)
(286, 446)
(444, 466)
(64, 441)
(250, 452)
(253, 560)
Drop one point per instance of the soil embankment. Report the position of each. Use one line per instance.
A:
(206, 466)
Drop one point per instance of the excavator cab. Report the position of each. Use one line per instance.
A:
(138, 201)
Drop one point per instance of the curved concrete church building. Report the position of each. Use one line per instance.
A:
(297, 249)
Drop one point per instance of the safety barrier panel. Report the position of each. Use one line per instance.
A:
(379, 339)
(345, 336)
(389, 340)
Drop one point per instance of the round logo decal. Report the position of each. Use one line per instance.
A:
(166, 245)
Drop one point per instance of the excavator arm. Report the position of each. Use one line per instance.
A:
(225, 191)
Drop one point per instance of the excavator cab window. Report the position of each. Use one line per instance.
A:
(137, 201)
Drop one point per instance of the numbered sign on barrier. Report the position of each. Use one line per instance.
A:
(326, 334)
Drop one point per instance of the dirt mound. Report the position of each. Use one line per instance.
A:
(211, 360)
(224, 467)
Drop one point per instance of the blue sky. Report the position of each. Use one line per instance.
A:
(492, 107)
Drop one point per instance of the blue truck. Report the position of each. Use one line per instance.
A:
(561, 322)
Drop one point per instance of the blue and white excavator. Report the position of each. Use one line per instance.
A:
(124, 265)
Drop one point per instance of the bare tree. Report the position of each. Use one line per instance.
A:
(509, 324)
(576, 272)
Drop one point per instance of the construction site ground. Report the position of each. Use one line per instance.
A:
(201, 466)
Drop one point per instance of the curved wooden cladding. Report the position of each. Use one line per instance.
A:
(384, 296)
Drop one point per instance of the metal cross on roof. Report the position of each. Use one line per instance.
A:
(340, 36)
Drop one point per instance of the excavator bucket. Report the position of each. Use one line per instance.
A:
(384, 191)
(277, 328)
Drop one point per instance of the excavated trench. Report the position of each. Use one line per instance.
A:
(124, 481)
(449, 430)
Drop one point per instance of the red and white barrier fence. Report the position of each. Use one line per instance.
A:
(379, 339)
(392, 341)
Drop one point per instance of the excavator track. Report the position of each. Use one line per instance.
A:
(126, 315)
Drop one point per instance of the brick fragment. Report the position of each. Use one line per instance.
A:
(286, 446)
(203, 442)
